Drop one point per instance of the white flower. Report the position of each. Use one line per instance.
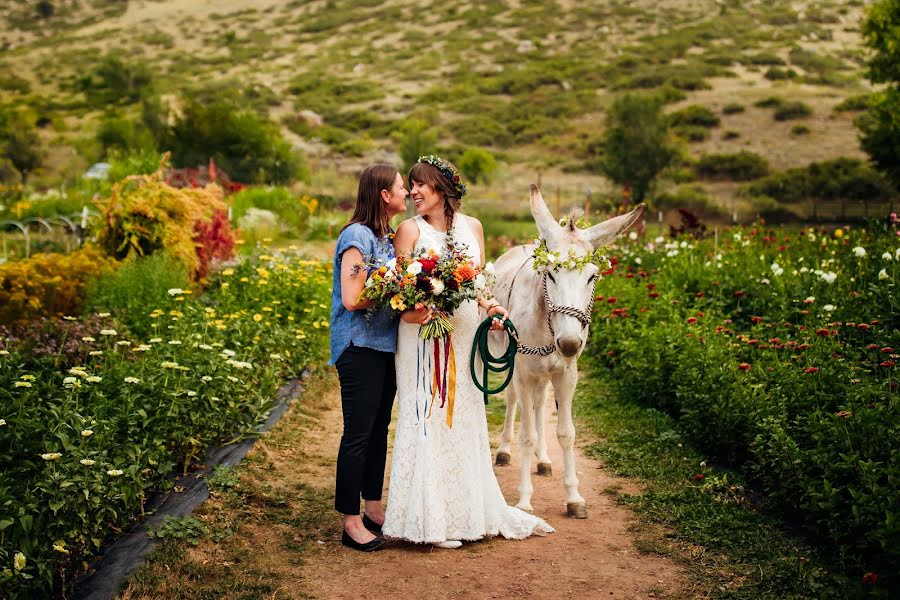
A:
(108, 332)
(174, 342)
(437, 286)
(809, 300)
(391, 264)
(828, 277)
(828, 307)
(70, 381)
(227, 352)
(414, 268)
(811, 237)
(205, 347)
(883, 274)
(2, 422)
(632, 236)
(103, 314)
(233, 379)
(88, 338)
(95, 352)
(489, 268)
(175, 291)
(87, 432)
(859, 251)
(804, 269)
(23, 384)
(132, 380)
(19, 561)
(480, 282)
(87, 462)
(886, 256)
(93, 379)
(167, 364)
(684, 244)
(123, 343)
(206, 378)
(156, 340)
(638, 260)
(4, 352)
(897, 254)
(551, 258)
(191, 394)
(51, 455)
(114, 472)
(671, 253)
(737, 237)
(764, 281)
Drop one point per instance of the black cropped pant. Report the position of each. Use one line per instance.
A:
(368, 386)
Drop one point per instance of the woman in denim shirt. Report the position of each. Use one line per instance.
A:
(363, 352)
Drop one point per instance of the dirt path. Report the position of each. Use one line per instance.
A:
(592, 558)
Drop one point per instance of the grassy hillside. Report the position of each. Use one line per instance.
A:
(529, 80)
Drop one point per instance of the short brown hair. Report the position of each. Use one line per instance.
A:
(370, 210)
(427, 173)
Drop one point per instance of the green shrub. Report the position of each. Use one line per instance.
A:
(763, 59)
(414, 138)
(692, 133)
(860, 102)
(477, 165)
(798, 130)
(733, 108)
(119, 133)
(694, 116)
(770, 102)
(841, 178)
(116, 81)
(692, 197)
(133, 291)
(776, 74)
(742, 166)
(730, 134)
(792, 110)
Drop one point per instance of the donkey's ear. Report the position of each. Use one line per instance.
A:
(546, 224)
(603, 233)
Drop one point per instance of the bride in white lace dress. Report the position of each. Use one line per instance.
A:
(442, 484)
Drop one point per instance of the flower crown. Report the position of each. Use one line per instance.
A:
(447, 171)
(545, 260)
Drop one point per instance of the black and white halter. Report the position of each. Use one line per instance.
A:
(582, 315)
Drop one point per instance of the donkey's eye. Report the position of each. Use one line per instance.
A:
(550, 275)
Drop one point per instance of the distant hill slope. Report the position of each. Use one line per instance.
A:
(527, 79)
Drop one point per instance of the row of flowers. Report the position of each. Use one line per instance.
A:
(776, 350)
(89, 428)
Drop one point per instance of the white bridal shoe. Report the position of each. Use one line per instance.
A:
(448, 545)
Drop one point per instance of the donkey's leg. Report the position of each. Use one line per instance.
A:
(509, 426)
(564, 388)
(540, 406)
(526, 392)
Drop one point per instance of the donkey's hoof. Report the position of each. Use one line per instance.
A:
(545, 469)
(503, 458)
(576, 510)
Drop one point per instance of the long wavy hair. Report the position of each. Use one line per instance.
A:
(426, 173)
(370, 209)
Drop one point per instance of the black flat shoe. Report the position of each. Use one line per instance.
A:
(371, 525)
(372, 546)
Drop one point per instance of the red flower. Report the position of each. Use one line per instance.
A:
(887, 363)
(739, 294)
(811, 370)
(802, 346)
(700, 313)
(714, 283)
(822, 332)
(691, 320)
(872, 347)
(699, 295)
(611, 300)
(756, 320)
(611, 353)
(744, 367)
(428, 264)
(862, 326)
(653, 295)
(774, 341)
(843, 414)
(651, 286)
(699, 477)
(870, 578)
(886, 350)
(728, 321)
(598, 298)
(804, 312)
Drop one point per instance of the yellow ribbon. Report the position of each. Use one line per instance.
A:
(451, 393)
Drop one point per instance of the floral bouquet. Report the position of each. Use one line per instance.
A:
(437, 280)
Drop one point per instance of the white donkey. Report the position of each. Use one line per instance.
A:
(551, 309)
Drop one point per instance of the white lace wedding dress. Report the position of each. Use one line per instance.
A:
(442, 484)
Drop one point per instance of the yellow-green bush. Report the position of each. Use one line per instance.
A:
(48, 284)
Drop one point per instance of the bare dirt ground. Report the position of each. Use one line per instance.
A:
(592, 558)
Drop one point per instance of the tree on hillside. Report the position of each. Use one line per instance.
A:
(414, 139)
(880, 126)
(21, 145)
(115, 81)
(635, 147)
(250, 148)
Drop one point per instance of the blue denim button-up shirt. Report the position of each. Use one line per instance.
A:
(380, 331)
